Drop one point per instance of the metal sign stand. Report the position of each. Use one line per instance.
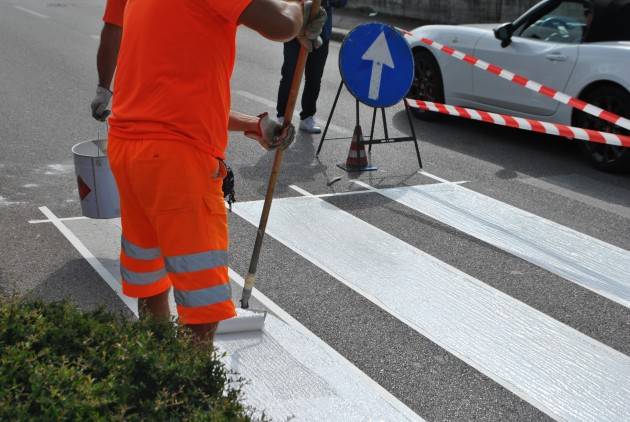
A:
(371, 141)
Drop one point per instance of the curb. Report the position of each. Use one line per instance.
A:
(338, 34)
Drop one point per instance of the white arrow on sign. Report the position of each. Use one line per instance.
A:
(379, 55)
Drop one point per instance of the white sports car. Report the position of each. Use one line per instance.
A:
(579, 47)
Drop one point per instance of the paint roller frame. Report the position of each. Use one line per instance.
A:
(248, 320)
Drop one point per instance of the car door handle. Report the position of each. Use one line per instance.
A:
(556, 57)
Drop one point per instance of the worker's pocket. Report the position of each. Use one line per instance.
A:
(215, 222)
(163, 184)
(214, 204)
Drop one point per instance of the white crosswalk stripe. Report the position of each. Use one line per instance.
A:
(550, 365)
(503, 338)
(589, 262)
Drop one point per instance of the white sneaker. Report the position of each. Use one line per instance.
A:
(308, 125)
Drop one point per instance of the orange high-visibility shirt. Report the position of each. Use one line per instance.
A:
(114, 11)
(174, 69)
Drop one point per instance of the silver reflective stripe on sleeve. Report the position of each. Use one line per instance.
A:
(203, 297)
(136, 252)
(196, 262)
(132, 277)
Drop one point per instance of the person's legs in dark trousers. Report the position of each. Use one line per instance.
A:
(291, 51)
(313, 73)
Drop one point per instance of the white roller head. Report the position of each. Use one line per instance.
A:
(244, 321)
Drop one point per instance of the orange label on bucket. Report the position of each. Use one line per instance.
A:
(84, 189)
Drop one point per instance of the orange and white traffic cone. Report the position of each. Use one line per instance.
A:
(357, 158)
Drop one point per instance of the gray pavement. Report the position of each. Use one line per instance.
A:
(47, 68)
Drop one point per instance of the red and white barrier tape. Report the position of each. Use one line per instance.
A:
(525, 124)
(529, 84)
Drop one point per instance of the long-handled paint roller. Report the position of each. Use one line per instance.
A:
(247, 320)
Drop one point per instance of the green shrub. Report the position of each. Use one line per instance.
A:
(57, 363)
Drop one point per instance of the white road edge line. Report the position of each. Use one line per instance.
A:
(268, 303)
(295, 324)
(32, 12)
(91, 259)
(59, 219)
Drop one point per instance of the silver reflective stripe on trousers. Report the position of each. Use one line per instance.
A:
(196, 262)
(137, 252)
(203, 297)
(141, 279)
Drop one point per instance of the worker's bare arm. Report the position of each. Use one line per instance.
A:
(108, 54)
(240, 122)
(276, 20)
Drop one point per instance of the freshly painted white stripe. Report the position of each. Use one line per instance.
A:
(534, 86)
(582, 259)
(563, 98)
(319, 343)
(91, 259)
(523, 123)
(498, 119)
(556, 368)
(576, 183)
(550, 129)
(60, 219)
(292, 372)
(272, 104)
(31, 12)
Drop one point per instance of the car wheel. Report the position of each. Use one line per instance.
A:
(603, 156)
(427, 83)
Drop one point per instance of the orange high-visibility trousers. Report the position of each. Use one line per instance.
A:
(174, 226)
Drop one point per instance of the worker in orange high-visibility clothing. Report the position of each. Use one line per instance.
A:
(167, 139)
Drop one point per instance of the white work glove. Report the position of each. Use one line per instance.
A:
(311, 45)
(272, 134)
(312, 28)
(100, 104)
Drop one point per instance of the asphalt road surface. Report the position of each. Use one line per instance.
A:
(493, 286)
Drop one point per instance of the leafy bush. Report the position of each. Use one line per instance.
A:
(57, 363)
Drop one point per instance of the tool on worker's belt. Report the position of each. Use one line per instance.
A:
(250, 279)
(228, 185)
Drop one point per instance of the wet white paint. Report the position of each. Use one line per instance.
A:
(554, 367)
(291, 372)
(293, 376)
(582, 259)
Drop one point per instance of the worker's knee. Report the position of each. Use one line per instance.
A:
(204, 333)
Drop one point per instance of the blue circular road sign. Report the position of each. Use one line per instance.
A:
(376, 64)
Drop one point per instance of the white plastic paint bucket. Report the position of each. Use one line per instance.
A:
(97, 188)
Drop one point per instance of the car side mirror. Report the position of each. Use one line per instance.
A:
(504, 34)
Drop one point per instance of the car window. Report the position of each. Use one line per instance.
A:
(567, 23)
